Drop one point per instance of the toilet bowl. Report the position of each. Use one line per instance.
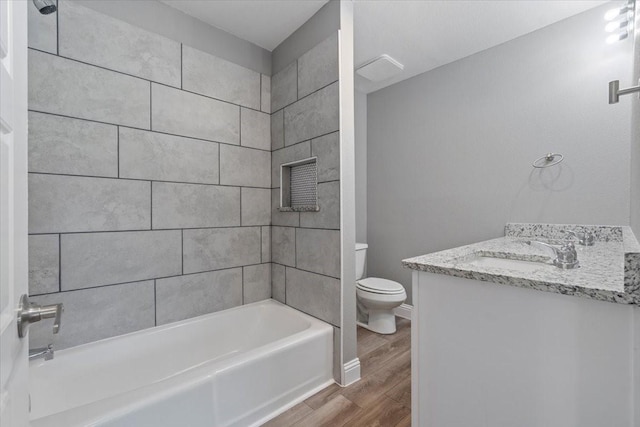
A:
(377, 298)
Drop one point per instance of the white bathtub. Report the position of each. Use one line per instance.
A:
(238, 367)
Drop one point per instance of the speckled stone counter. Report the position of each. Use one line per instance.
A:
(609, 270)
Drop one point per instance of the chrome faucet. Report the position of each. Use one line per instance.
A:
(29, 313)
(585, 238)
(45, 352)
(566, 256)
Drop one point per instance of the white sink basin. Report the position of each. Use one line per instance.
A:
(508, 264)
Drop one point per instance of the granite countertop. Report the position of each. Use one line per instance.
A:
(609, 270)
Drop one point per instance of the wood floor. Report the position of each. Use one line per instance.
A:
(381, 398)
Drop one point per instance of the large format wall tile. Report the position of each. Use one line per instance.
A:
(283, 247)
(255, 129)
(266, 244)
(187, 114)
(211, 76)
(42, 31)
(277, 130)
(95, 314)
(71, 146)
(159, 157)
(265, 94)
(244, 166)
(283, 87)
(318, 251)
(329, 202)
(327, 150)
(278, 286)
(44, 264)
(218, 248)
(287, 155)
(63, 86)
(314, 294)
(256, 283)
(59, 204)
(182, 297)
(313, 116)
(90, 36)
(256, 206)
(194, 206)
(288, 219)
(318, 67)
(94, 259)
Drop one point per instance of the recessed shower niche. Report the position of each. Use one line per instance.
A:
(299, 186)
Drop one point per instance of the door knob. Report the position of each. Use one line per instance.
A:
(29, 313)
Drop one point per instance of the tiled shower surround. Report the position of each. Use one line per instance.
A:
(305, 123)
(150, 178)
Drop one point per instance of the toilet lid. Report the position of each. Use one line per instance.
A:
(380, 286)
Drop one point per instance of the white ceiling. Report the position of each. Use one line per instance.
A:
(266, 23)
(421, 34)
(424, 35)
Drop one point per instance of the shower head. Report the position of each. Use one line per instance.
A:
(45, 7)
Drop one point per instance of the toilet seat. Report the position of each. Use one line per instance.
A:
(377, 285)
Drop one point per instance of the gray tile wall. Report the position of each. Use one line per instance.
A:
(305, 247)
(150, 178)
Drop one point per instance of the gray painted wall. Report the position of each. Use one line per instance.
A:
(159, 18)
(449, 152)
(361, 166)
(150, 176)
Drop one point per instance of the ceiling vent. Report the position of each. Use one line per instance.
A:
(381, 68)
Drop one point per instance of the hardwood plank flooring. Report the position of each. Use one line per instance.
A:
(382, 398)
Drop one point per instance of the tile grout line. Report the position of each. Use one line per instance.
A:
(147, 279)
(182, 251)
(142, 230)
(151, 206)
(155, 304)
(208, 184)
(57, 27)
(59, 263)
(260, 77)
(150, 106)
(155, 131)
(151, 81)
(118, 148)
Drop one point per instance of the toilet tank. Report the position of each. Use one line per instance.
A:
(361, 257)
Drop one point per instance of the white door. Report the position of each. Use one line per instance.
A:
(14, 397)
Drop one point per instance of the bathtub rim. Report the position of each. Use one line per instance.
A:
(196, 319)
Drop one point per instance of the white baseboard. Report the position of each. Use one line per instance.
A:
(403, 311)
(351, 372)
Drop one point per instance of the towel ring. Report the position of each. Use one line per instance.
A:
(549, 159)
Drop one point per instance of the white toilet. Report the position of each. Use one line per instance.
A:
(376, 297)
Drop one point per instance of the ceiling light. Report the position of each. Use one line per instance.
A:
(617, 37)
(624, 25)
(615, 25)
(612, 14)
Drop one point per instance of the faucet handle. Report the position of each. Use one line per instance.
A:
(566, 256)
(30, 312)
(585, 238)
